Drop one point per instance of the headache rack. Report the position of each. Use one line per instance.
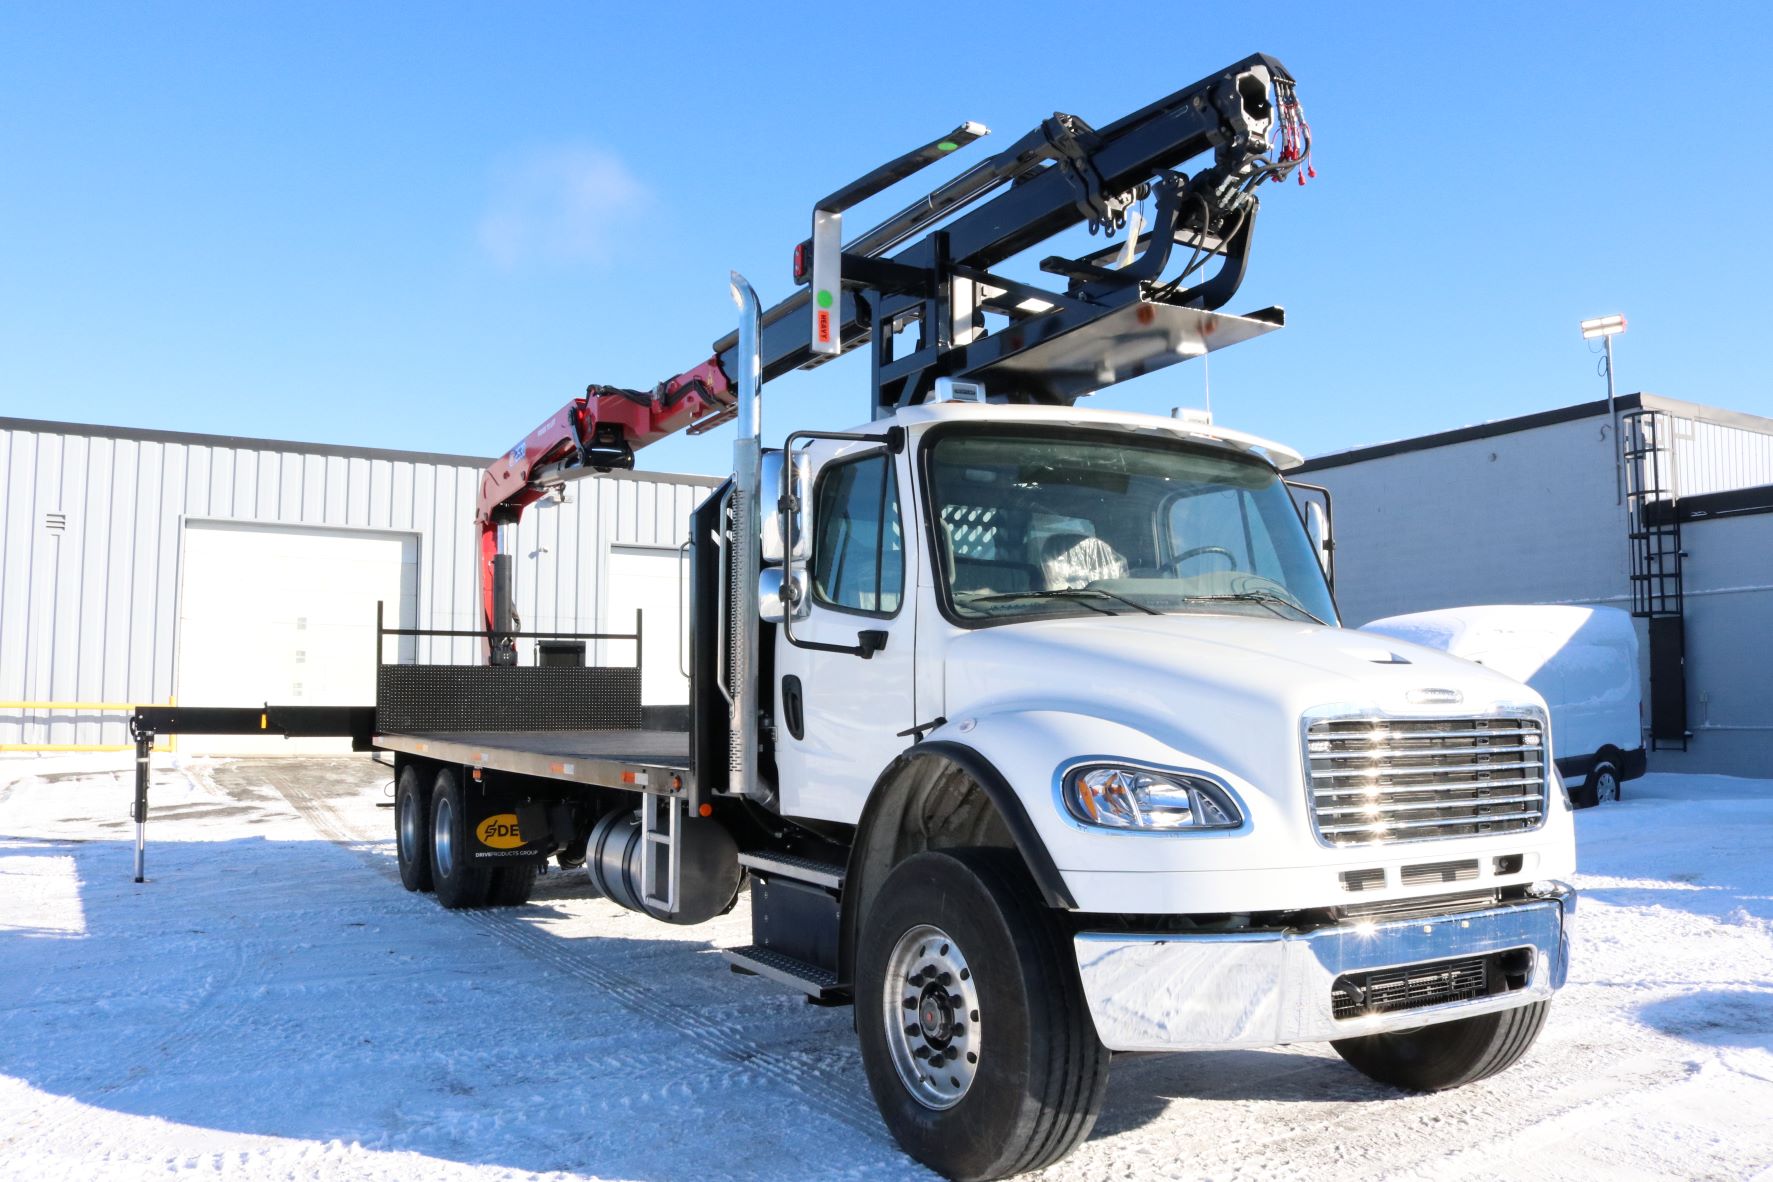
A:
(1382, 780)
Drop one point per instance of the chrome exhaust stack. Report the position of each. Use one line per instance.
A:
(744, 559)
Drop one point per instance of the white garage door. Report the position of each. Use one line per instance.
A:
(648, 580)
(286, 614)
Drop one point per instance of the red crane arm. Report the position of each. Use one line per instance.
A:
(592, 434)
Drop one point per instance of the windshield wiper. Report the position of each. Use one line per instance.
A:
(1065, 593)
(1266, 598)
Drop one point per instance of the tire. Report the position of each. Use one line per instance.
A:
(1040, 1073)
(1448, 1054)
(1582, 796)
(1603, 783)
(459, 879)
(412, 837)
(513, 882)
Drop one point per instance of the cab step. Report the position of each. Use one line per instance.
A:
(819, 984)
(809, 870)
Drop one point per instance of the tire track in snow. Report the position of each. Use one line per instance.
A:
(819, 1087)
(1491, 1115)
(207, 1016)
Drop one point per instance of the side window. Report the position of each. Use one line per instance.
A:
(858, 551)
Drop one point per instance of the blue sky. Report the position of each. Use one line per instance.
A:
(426, 226)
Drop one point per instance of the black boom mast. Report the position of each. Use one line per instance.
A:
(933, 308)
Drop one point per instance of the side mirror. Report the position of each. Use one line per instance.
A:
(778, 530)
(1314, 508)
(1318, 526)
(776, 597)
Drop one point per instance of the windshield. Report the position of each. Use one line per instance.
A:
(1039, 522)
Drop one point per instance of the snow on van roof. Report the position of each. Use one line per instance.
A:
(1452, 628)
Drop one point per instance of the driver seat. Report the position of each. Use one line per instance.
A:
(1077, 560)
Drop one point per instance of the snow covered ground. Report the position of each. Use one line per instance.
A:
(271, 1005)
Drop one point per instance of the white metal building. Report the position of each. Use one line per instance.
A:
(147, 566)
(1670, 515)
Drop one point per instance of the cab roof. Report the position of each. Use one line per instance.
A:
(928, 414)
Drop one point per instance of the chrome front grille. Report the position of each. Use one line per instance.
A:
(1377, 780)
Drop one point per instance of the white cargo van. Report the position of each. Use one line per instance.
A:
(1583, 660)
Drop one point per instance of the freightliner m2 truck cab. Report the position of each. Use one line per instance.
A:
(1155, 785)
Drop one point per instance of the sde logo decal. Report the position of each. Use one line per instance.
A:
(500, 832)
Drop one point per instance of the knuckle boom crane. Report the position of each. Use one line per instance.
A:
(1115, 319)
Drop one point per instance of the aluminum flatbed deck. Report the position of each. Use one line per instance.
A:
(656, 760)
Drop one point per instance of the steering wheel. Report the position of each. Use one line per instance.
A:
(1173, 565)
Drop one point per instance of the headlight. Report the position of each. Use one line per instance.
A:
(1137, 798)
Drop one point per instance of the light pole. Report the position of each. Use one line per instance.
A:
(1608, 327)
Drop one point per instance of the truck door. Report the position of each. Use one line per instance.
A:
(839, 715)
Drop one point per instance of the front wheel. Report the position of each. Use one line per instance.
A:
(1447, 1054)
(975, 1035)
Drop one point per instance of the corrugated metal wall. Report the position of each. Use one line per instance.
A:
(1530, 517)
(90, 543)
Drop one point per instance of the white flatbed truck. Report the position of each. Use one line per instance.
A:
(1030, 727)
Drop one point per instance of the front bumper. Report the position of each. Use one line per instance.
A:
(1183, 991)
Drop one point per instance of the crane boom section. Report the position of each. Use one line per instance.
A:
(1061, 175)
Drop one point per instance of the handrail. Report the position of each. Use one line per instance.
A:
(517, 635)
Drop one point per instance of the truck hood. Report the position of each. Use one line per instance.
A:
(1219, 687)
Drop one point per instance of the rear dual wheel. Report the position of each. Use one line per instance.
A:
(412, 838)
(461, 879)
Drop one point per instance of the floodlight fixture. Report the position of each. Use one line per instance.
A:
(1602, 326)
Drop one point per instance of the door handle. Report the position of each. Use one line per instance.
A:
(793, 709)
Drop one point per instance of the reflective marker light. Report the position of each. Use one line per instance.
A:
(1137, 798)
(947, 145)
